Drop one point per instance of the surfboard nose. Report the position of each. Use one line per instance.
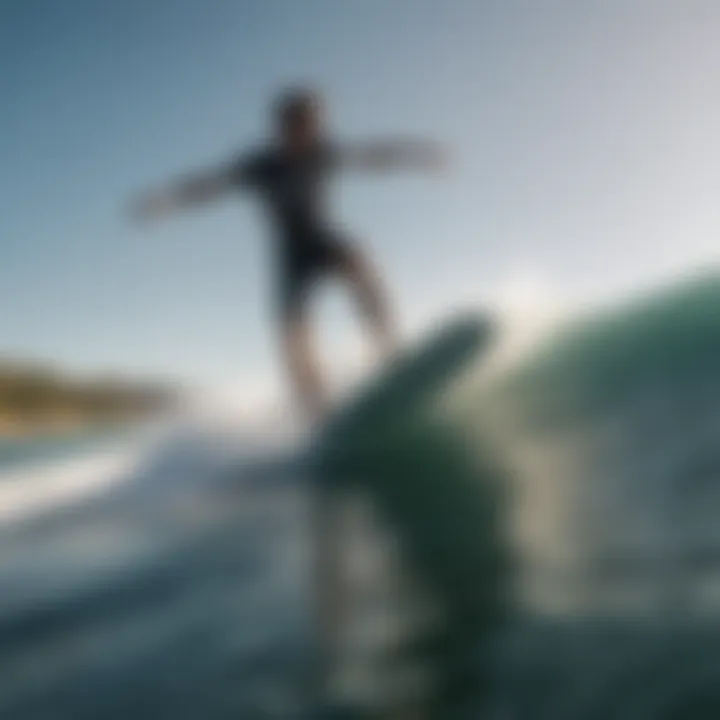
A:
(404, 392)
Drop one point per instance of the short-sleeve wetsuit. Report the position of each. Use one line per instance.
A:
(294, 191)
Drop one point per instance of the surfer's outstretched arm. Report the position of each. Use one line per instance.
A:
(393, 154)
(183, 193)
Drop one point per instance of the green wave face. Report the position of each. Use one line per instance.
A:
(612, 429)
(609, 433)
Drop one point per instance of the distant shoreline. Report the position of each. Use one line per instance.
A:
(40, 401)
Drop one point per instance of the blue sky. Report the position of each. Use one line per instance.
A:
(583, 136)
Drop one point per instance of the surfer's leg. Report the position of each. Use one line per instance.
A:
(297, 279)
(371, 296)
(302, 366)
(297, 342)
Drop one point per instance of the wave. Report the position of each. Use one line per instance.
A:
(610, 427)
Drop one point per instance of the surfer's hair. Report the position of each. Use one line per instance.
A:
(294, 106)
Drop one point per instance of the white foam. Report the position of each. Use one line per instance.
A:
(32, 490)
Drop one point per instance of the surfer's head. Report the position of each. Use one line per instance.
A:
(298, 117)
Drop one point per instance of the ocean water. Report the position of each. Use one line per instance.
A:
(178, 589)
(176, 583)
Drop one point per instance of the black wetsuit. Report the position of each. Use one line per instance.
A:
(294, 191)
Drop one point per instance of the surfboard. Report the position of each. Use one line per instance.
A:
(395, 443)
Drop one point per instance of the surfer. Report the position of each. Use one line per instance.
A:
(290, 176)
